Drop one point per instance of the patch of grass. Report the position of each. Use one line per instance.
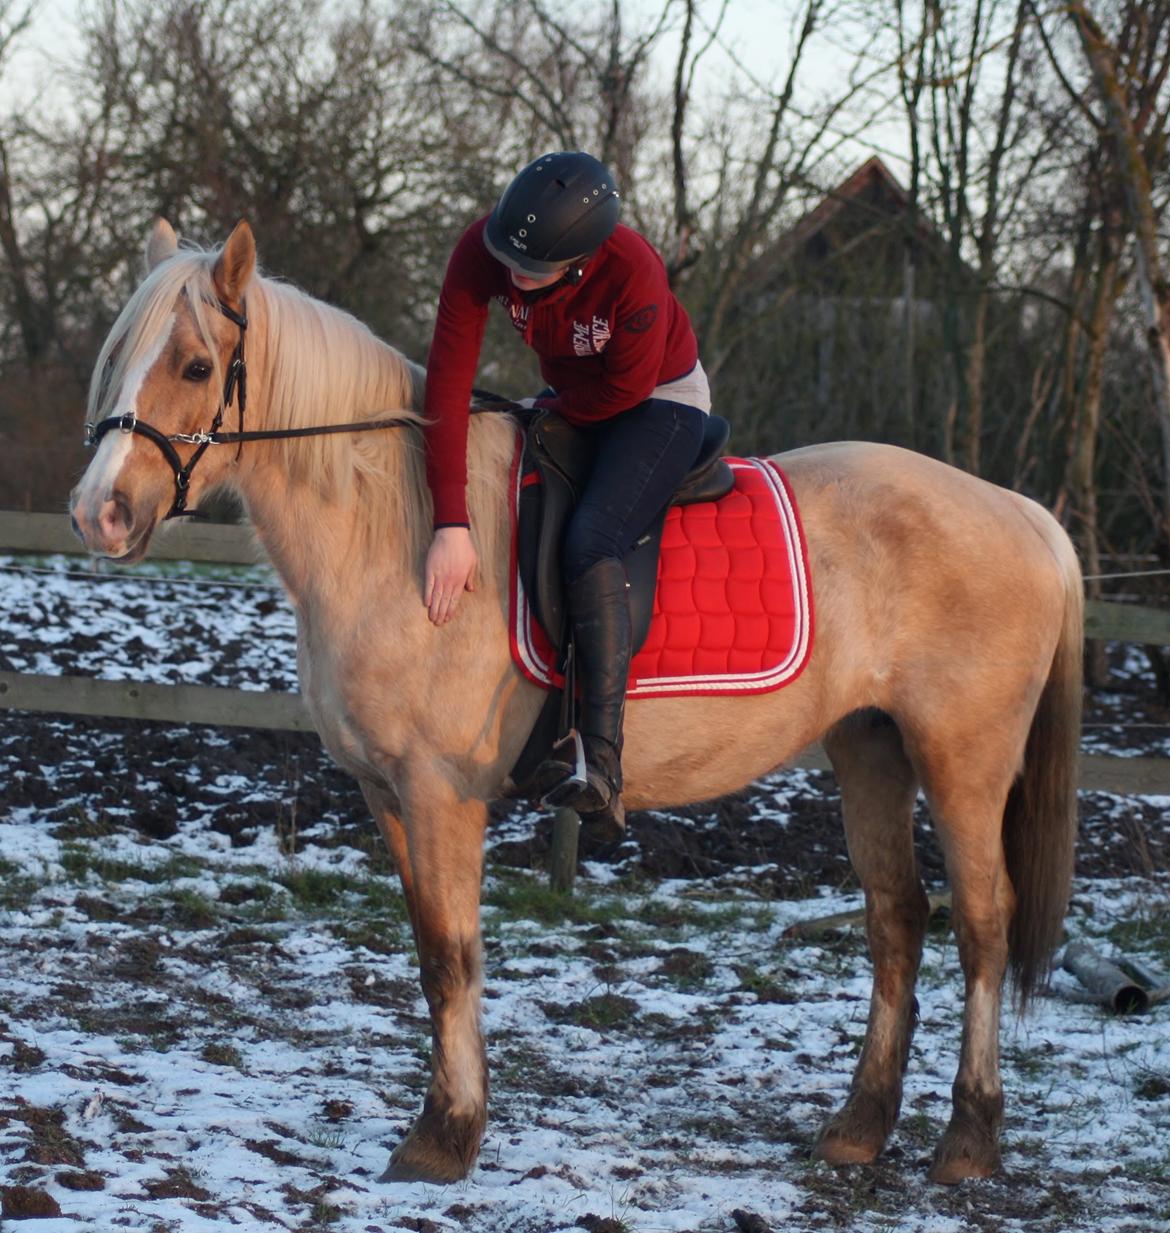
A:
(1156, 1168)
(85, 825)
(529, 899)
(80, 862)
(1145, 932)
(601, 1013)
(267, 912)
(1034, 1061)
(381, 937)
(238, 894)
(677, 917)
(222, 1055)
(686, 969)
(1152, 1085)
(51, 1143)
(696, 1026)
(17, 890)
(382, 895)
(763, 984)
(316, 889)
(323, 890)
(323, 1214)
(192, 910)
(328, 1138)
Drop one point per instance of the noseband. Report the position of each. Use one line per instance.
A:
(235, 380)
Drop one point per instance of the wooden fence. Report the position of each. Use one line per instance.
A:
(200, 704)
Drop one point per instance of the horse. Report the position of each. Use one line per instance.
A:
(947, 659)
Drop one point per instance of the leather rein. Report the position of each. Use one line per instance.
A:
(235, 381)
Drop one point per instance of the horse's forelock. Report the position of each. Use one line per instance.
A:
(147, 314)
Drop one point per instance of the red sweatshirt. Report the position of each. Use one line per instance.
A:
(604, 344)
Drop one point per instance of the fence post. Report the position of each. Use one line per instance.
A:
(563, 859)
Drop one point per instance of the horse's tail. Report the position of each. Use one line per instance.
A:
(1040, 819)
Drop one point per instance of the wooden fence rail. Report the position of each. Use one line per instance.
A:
(187, 541)
(236, 545)
(246, 708)
(200, 704)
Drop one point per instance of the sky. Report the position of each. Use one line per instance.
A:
(54, 41)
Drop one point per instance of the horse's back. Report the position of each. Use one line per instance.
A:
(895, 493)
(925, 575)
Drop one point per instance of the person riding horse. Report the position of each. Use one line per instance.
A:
(591, 297)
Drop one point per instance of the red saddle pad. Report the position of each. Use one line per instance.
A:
(733, 609)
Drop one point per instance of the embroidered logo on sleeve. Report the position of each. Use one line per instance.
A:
(590, 337)
(643, 319)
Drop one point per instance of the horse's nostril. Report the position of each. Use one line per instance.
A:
(76, 528)
(122, 509)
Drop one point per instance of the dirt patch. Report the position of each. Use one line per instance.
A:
(178, 1184)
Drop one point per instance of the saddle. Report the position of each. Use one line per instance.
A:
(555, 467)
(557, 461)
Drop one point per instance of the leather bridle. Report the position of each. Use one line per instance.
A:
(235, 381)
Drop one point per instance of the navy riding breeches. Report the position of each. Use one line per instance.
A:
(642, 457)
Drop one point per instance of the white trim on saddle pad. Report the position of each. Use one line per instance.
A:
(533, 654)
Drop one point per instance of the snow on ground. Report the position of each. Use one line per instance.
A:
(206, 1024)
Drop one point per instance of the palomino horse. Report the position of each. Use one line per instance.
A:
(947, 657)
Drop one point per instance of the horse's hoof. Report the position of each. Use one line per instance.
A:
(837, 1151)
(437, 1154)
(409, 1163)
(961, 1157)
(858, 1132)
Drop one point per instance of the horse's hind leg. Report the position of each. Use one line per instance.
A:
(967, 793)
(878, 789)
(439, 853)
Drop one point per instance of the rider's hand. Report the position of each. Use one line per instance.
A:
(450, 570)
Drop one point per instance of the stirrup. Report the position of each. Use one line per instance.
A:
(599, 795)
(576, 780)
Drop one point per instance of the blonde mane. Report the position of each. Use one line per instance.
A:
(311, 364)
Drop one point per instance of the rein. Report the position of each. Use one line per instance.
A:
(235, 379)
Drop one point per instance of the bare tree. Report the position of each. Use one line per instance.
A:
(573, 76)
(26, 308)
(1130, 73)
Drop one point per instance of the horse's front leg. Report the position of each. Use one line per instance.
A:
(438, 846)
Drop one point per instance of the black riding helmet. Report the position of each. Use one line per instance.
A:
(560, 207)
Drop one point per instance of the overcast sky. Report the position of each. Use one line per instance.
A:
(757, 33)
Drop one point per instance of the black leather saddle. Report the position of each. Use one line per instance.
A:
(558, 458)
(557, 461)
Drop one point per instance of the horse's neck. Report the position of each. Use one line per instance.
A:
(358, 548)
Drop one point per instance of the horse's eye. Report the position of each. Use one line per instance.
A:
(197, 370)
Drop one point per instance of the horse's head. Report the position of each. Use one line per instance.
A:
(170, 364)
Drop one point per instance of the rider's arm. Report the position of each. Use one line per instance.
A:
(451, 365)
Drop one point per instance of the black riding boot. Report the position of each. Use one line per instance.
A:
(599, 608)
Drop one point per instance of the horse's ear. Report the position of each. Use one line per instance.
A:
(160, 244)
(236, 264)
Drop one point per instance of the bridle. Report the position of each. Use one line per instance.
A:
(235, 380)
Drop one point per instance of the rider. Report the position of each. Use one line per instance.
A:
(591, 297)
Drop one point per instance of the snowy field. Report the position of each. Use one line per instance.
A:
(210, 1015)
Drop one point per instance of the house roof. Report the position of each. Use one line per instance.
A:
(859, 187)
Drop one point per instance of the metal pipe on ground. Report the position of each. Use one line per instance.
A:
(1105, 981)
